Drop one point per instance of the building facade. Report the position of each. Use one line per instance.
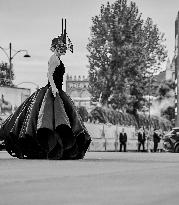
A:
(170, 70)
(11, 98)
(77, 89)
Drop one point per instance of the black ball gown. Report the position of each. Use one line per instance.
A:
(46, 127)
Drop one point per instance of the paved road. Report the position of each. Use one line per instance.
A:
(101, 178)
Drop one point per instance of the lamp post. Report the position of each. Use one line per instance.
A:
(11, 57)
(150, 103)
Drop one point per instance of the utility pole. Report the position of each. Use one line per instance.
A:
(10, 60)
(177, 71)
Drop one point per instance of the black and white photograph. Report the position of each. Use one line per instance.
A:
(89, 102)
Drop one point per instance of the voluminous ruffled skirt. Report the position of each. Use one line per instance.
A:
(44, 127)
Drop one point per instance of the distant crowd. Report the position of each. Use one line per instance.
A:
(144, 138)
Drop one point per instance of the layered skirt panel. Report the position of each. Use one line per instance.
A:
(46, 127)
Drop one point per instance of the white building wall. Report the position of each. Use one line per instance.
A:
(14, 96)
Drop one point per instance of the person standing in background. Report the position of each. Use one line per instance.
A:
(141, 139)
(123, 140)
(156, 140)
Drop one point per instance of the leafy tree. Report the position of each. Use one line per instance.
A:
(166, 94)
(120, 118)
(124, 52)
(6, 76)
(83, 113)
(166, 90)
(169, 113)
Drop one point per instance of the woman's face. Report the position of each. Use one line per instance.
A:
(61, 49)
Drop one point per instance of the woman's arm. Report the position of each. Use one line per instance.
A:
(52, 64)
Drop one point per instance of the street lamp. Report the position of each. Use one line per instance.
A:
(11, 57)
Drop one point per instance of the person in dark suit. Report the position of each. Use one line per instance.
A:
(123, 140)
(141, 139)
(156, 140)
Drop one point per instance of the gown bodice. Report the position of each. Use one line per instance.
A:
(58, 76)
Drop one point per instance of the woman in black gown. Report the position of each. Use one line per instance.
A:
(47, 124)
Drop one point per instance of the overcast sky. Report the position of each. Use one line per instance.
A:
(31, 25)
